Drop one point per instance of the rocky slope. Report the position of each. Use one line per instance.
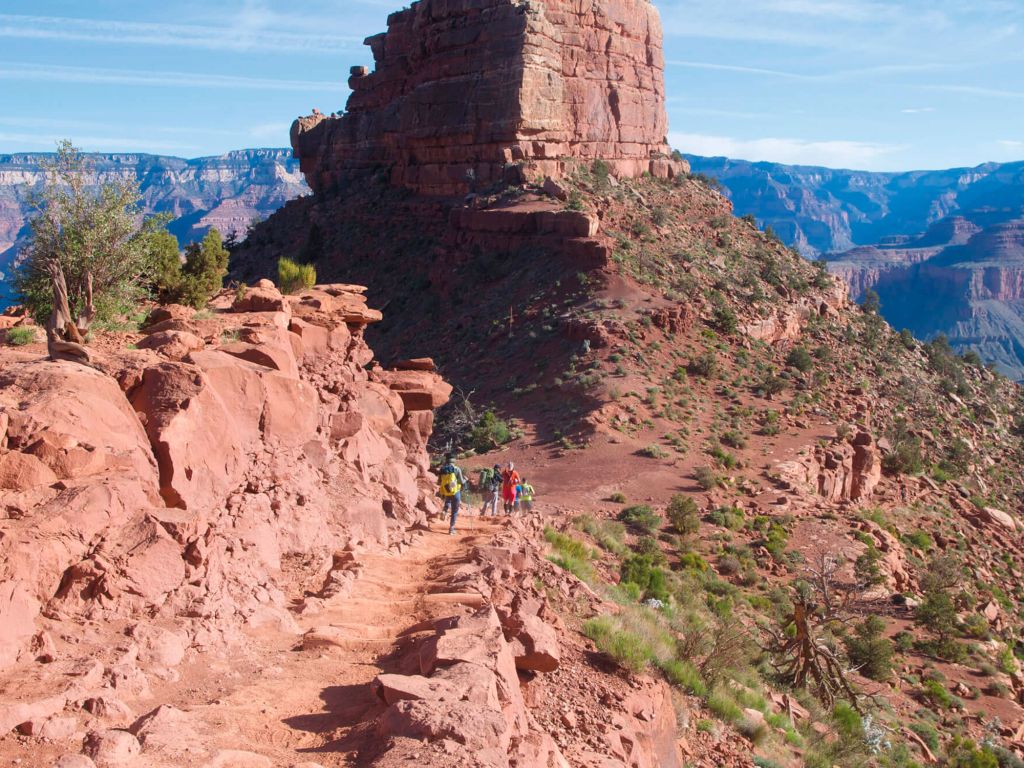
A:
(227, 192)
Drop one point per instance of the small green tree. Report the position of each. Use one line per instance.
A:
(871, 304)
(937, 611)
(684, 515)
(202, 274)
(164, 256)
(87, 230)
(869, 650)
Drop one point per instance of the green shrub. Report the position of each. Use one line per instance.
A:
(641, 570)
(927, 733)
(617, 498)
(707, 478)
(724, 319)
(684, 515)
(800, 359)
(704, 366)
(734, 439)
(935, 692)
(920, 540)
(21, 336)
(653, 451)
(628, 648)
(570, 554)
(722, 704)
(608, 534)
(728, 517)
(294, 277)
(683, 674)
(964, 754)
(490, 432)
(869, 650)
(905, 458)
(641, 516)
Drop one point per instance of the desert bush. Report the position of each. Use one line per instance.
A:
(905, 458)
(653, 451)
(728, 517)
(800, 359)
(202, 274)
(20, 336)
(683, 674)
(707, 478)
(608, 534)
(869, 650)
(704, 365)
(628, 649)
(641, 570)
(617, 498)
(684, 515)
(489, 432)
(294, 277)
(734, 439)
(642, 517)
(570, 554)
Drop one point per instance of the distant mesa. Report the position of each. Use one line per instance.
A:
(468, 92)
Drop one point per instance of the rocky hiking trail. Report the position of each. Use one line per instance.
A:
(287, 699)
(302, 701)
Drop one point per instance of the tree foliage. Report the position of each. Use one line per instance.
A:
(86, 229)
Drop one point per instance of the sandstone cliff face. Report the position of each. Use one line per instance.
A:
(178, 482)
(462, 90)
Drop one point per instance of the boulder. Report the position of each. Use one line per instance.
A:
(174, 345)
(539, 642)
(997, 517)
(22, 471)
(395, 688)
(169, 312)
(261, 298)
(78, 406)
(199, 448)
(112, 748)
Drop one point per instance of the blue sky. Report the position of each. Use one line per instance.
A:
(873, 84)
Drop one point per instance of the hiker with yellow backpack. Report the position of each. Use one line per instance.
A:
(451, 481)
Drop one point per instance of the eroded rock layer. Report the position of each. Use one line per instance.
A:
(466, 91)
(177, 482)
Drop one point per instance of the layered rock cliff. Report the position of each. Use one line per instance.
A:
(465, 92)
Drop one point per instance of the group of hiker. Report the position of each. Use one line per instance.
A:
(495, 484)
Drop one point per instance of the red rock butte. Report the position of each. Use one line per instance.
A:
(468, 92)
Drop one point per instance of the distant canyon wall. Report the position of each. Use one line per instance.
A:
(227, 192)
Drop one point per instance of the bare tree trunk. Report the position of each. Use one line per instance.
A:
(63, 339)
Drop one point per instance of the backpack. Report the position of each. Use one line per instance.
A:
(450, 484)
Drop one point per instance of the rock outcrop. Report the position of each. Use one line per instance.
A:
(175, 484)
(472, 92)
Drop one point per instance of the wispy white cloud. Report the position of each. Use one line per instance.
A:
(251, 30)
(97, 76)
(975, 90)
(835, 154)
(917, 110)
(89, 143)
(878, 70)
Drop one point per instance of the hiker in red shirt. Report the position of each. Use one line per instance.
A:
(509, 487)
